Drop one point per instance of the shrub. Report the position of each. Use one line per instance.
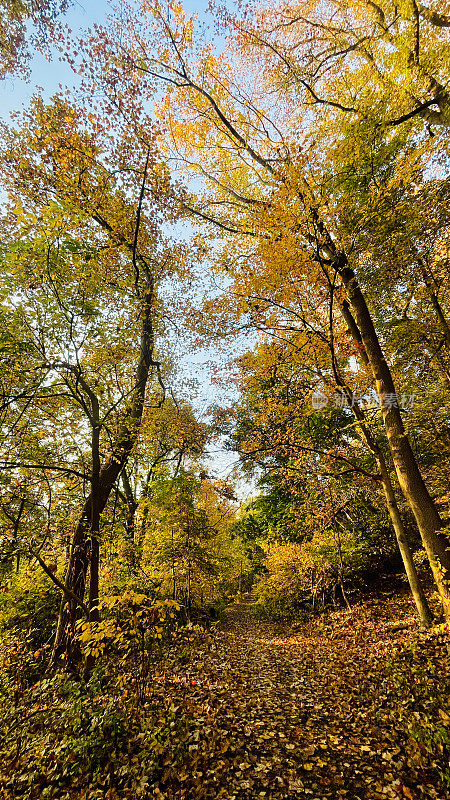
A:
(132, 628)
(29, 606)
(308, 573)
(73, 739)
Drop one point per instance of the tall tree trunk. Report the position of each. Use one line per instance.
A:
(408, 473)
(76, 573)
(75, 581)
(423, 610)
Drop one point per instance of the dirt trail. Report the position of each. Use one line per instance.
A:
(282, 716)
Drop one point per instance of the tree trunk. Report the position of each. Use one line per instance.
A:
(423, 610)
(76, 573)
(15, 534)
(75, 581)
(94, 613)
(95, 517)
(409, 476)
(84, 550)
(188, 590)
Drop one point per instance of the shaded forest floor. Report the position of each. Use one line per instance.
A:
(351, 707)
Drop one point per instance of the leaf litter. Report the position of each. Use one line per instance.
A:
(352, 707)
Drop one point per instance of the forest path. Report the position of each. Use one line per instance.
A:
(275, 715)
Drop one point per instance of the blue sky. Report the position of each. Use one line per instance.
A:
(46, 76)
(15, 92)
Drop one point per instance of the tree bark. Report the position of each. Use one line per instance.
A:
(408, 473)
(423, 610)
(76, 573)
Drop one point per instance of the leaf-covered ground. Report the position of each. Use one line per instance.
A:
(355, 707)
